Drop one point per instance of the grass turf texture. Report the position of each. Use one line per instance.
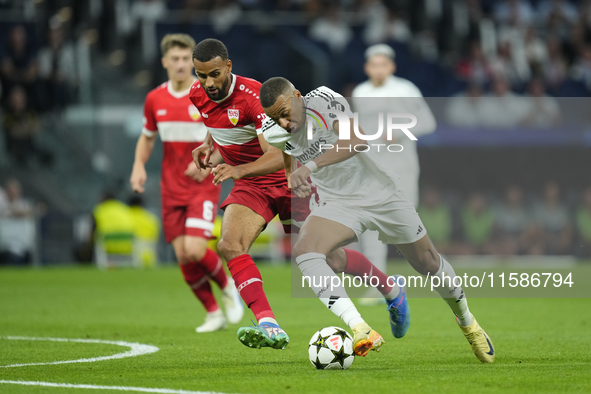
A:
(542, 344)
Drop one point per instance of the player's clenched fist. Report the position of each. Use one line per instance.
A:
(202, 155)
(299, 182)
(225, 171)
(138, 178)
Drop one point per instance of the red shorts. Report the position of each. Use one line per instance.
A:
(194, 216)
(270, 201)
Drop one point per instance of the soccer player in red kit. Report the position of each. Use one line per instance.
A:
(234, 119)
(189, 198)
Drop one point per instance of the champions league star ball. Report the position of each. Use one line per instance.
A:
(331, 348)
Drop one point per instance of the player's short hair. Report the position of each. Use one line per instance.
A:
(210, 48)
(273, 88)
(176, 40)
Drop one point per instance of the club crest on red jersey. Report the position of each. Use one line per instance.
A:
(194, 112)
(233, 115)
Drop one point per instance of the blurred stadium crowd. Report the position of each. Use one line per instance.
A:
(460, 42)
(513, 223)
(474, 41)
(55, 54)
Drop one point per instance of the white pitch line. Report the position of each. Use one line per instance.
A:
(136, 349)
(96, 387)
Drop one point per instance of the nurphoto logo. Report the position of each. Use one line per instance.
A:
(393, 122)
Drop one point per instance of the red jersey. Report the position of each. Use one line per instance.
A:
(235, 123)
(180, 125)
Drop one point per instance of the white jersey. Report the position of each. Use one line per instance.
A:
(364, 176)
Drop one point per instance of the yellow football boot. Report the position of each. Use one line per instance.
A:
(366, 339)
(481, 344)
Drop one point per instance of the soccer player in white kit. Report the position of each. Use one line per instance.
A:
(357, 192)
(380, 68)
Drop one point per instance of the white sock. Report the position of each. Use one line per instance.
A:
(454, 296)
(393, 293)
(319, 274)
(268, 320)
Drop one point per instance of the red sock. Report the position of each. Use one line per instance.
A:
(212, 264)
(198, 281)
(250, 285)
(358, 265)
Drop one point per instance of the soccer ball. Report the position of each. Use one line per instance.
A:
(331, 348)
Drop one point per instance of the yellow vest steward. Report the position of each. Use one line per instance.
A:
(114, 226)
(146, 224)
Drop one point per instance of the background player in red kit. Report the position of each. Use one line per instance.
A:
(189, 198)
(234, 119)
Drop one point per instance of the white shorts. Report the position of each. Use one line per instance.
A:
(395, 219)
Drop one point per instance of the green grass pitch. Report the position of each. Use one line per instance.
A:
(543, 345)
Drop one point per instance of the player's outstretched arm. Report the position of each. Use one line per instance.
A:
(270, 161)
(202, 154)
(143, 150)
(216, 158)
(299, 178)
(334, 155)
(291, 165)
(198, 174)
(288, 164)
